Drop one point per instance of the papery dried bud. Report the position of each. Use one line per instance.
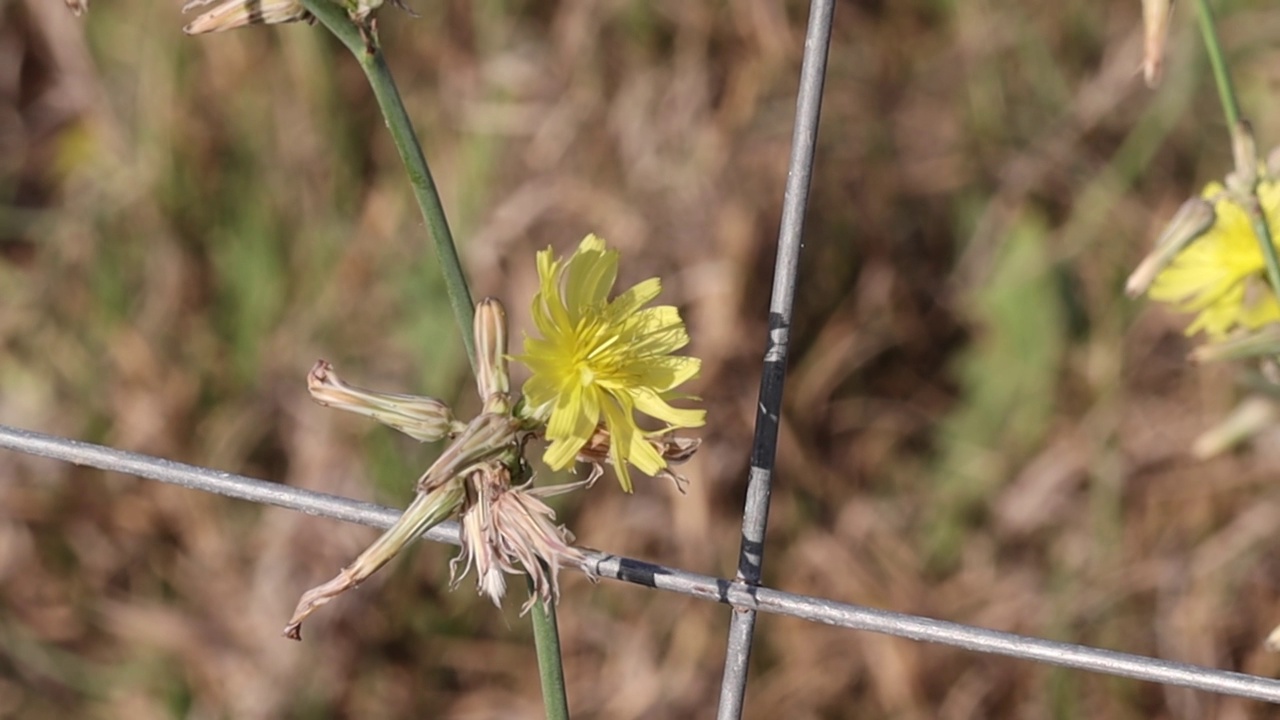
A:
(676, 450)
(492, 377)
(241, 13)
(421, 418)
(1155, 21)
(487, 437)
(478, 548)
(1273, 162)
(673, 449)
(1190, 222)
(360, 10)
(427, 510)
(1244, 150)
(1272, 643)
(1261, 343)
(1253, 415)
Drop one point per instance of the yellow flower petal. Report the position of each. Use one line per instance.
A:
(589, 276)
(635, 298)
(649, 403)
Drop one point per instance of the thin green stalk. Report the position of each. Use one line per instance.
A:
(1240, 137)
(546, 638)
(367, 52)
(1221, 76)
(364, 46)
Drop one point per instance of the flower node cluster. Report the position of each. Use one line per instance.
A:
(597, 361)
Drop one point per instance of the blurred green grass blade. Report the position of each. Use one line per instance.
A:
(1007, 379)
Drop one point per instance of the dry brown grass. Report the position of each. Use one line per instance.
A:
(979, 427)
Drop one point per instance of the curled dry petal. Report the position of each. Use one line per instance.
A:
(673, 449)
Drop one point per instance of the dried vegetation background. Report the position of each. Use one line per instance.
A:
(979, 427)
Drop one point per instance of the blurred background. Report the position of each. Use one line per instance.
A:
(979, 426)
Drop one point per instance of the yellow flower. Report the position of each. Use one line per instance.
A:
(1220, 275)
(601, 358)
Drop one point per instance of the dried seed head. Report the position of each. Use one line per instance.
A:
(504, 525)
(421, 418)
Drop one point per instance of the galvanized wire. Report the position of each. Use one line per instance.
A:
(639, 572)
(795, 198)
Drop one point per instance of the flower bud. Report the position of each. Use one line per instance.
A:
(427, 510)
(1190, 222)
(1244, 150)
(492, 377)
(1155, 21)
(421, 418)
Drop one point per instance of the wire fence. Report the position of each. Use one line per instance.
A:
(744, 593)
(743, 598)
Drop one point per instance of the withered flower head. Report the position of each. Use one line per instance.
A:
(504, 525)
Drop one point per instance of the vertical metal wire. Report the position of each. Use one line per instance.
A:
(755, 513)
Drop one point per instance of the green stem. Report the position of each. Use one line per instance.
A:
(546, 638)
(367, 52)
(1221, 76)
(364, 46)
(1240, 138)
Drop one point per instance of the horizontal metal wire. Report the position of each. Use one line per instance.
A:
(763, 599)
